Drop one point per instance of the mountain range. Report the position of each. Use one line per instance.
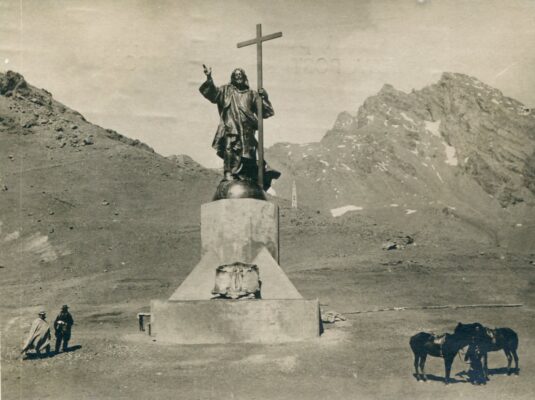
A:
(458, 146)
(101, 215)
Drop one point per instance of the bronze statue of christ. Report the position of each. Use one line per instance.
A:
(235, 140)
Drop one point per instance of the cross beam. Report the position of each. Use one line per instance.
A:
(258, 41)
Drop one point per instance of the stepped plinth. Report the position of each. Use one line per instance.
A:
(236, 231)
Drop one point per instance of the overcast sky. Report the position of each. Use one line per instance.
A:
(135, 66)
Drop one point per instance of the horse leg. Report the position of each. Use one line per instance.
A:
(422, 367)
(448, 360)
(517, 371)
(486, 366)
(481, 377)
(416, 359)
(509, 360)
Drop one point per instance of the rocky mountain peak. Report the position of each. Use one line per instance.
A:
(30, 110)
(388, 89)
(456, 79)
(454, 141)
(12, 82)
(344, 121)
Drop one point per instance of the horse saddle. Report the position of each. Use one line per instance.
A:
(491, 333)
(439, 339)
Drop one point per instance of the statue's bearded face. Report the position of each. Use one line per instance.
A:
(238, 77)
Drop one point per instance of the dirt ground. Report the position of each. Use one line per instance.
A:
(365, 357)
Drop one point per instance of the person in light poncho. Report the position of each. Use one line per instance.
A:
(39, 336)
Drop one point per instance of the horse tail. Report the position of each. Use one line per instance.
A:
(513, 340)
(413, 342)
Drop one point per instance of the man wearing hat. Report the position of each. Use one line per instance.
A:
(62, 328)
(39, 336)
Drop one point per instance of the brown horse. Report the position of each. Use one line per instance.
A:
(445, 346)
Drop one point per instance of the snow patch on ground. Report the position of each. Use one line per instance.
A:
(340, 146)
(346, 167)
(451, 158)
(433, 127)
(12, 236)
(324, 163)
(337, 212)
(406, 117)
(370, 118)
(409, 128)
(495, 101)
(271, 191)
(394, 205)
(383, 166)
(39, 244)
(409, 211)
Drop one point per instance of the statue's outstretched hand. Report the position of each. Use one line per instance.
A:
(207, 71)
(263, 94)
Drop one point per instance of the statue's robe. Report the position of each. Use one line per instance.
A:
(234, 140)
(39, 336)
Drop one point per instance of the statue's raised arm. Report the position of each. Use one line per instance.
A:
(207, 71)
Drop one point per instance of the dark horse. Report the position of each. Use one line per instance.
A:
(445, 346)
(496, 339)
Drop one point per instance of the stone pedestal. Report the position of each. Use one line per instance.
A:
(236, 230)
(235, 321)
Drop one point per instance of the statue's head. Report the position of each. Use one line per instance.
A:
(239, 79)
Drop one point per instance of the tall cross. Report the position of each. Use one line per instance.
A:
(258, 41)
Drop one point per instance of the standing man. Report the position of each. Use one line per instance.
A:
(39, 336)
(235, 140)
(62, 327)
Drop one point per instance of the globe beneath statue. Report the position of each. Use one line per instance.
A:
(239, 189)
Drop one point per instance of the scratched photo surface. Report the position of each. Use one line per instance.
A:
(404, 132)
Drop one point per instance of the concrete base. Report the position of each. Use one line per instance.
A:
(237, 229)
(235, 321)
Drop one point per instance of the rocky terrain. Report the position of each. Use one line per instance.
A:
(457, 147)
(419, 199)
(82, 202)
